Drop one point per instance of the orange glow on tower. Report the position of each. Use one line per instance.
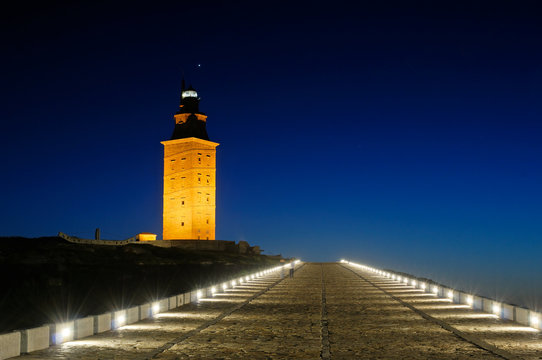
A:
(189, 175)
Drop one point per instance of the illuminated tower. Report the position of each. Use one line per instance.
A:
(189, 174)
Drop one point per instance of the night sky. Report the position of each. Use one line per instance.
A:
(404, 135)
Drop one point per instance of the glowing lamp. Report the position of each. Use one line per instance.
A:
(121, 320)
(423, 286)
(435, 289)
(535, 321)
(469, 300)
(63, 335)
(198, 294)
(450, 294)
(224, 286)
(213, 290)
(496, 308)
(155, 308)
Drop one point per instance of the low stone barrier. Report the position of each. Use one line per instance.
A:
(84, 327)
(10, 345)
(172, 302)
(144, 311)
(25, 341)
(505, 311)
(35, 339)
(102, 323)
(132, 315)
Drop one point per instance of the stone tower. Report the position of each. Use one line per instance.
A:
(189, 174)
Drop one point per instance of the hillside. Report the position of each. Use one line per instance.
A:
(48, 279)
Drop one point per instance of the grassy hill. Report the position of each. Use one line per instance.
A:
(48, 279)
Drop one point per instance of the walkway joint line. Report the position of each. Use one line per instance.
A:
(467, 337)
(325, 354)
(195, 331)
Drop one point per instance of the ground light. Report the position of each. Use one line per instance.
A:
(63, 335)
(535, 321)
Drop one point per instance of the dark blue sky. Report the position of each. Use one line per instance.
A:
(399, 134)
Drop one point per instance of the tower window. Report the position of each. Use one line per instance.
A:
(208, 156)
(172, 179)
(207, 223)
(172, 160)
(183, 158)
(182, 202)
(182, 223)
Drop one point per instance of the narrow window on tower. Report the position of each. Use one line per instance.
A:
(207, 222)
(172, 179)
(199, 178)
(199, 158)
(208, 179)
(182, 223)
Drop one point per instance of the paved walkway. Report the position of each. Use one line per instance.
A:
(328, 311)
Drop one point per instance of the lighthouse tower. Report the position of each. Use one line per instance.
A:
(189, 174)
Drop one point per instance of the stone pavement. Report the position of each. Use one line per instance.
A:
(328, 311)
